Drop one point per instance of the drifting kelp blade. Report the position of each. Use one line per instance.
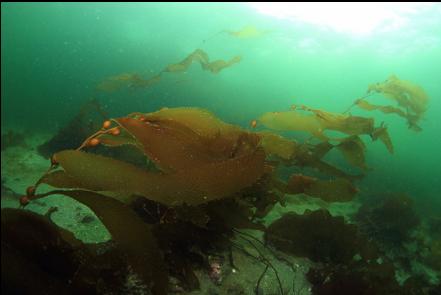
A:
(321, 149)
(353, 149)
(216, 139)
(277, 145)
(365, 105)
(351, 125)
(198, 55)
(247, 32)
(406, 93)
(292, 121)
(138, 82)
(411, 118)
(199, 120)
(382, 133)
(218, 65)
(170, 145)
(220, 179)
(117, 82)
(122, 138)
(336, 190)
(194, 185)
(132, 234)
(60, 179)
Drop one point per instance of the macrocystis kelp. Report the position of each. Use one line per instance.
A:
(334, 190)
(202, 165)
(316, 122)
(412, 100)
(199, 162)
(247, 32)
(39, 257)
(134, 80)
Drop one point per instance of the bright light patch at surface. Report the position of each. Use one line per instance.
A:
(351, 18)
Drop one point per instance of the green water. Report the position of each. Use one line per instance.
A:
(54, 54)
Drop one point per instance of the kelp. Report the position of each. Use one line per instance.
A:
(202, 58)
(410, 97)
(195, 132)
(182, 143)
(117, 82)
(336, 190)
(198, 55)
(308, 155)
(411, 119)
(277, 145)
(317, 122)
(193, 186)
(218, 65)
(135, 81)
(134, 237)
(351, 125)
(39, 257)
(353, 149)
(292, 121)
(219, 161)
(382, 133)
(367, 106)
(201, 121)
(247, 32)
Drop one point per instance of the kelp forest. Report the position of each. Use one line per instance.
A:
(189, 200)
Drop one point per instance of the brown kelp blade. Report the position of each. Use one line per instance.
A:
(218, 65)
(115, 83)
(277, 145)
(219, 139)
(353, 150)
(317, 122)
(382, 133)
(170, 145)
(411, 118)
(131, 233)
(336, 190)
(123, 138)
(351, 125)
(201, 121)
(409, 96)
(365, 105)
(247, 32)
(202, 58)
(293, 121)
(194, 185)
(135, 81)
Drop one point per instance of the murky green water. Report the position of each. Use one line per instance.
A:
(55, 55)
